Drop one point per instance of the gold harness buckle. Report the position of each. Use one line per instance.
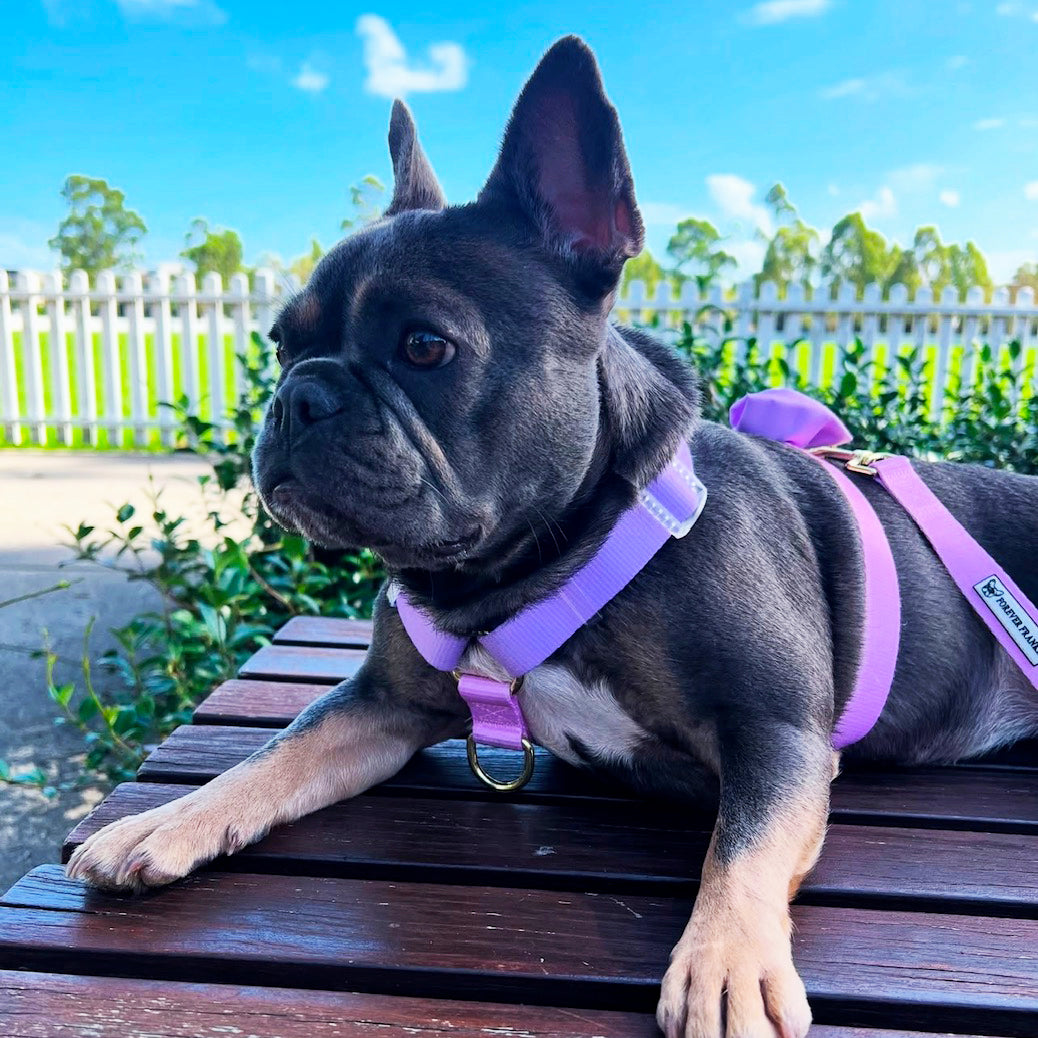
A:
(861, 461)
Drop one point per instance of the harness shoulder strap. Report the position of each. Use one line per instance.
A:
(881, 618)
(1010, 616)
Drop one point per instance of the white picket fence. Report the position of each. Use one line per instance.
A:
(131, 343)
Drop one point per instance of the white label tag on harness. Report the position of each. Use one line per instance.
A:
(1023, 629)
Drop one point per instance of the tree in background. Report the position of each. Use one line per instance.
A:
(696, 245)
(99, 232)
(364, 197)
(929, 263)
(303, 266)
(645, 268)
(218, 249)
(967, 267)
(792, 255)
(1026, 276)
(856, 254)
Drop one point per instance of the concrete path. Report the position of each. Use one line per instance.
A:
(40, 492)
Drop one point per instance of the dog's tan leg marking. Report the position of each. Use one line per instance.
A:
(731, 974)
(322, 758)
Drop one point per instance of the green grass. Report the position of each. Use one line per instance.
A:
(124, 438)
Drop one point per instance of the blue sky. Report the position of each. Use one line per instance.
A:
(258, 115)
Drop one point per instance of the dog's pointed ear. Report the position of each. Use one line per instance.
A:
(414, 183)
(563, 164)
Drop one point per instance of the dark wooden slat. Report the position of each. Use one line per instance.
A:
(622, 847)
(41, 1005)
(46, 1005)
(264, 704)
(302, 663)
(196, 753)
(331, 632)
(253, 704)
(325, 630)
(892, 969)
(937, 798)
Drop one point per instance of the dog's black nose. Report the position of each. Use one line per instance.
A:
(300, 404)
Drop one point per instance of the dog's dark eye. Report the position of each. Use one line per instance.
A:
(427, 350)
(279, 350)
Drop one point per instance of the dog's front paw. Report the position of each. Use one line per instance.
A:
(149, 849)
(729, 979)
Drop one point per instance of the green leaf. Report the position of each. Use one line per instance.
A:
(215, 624)
(125, 512)
(62, 694)
(87, 710)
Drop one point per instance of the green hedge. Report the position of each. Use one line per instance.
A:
(223, 602)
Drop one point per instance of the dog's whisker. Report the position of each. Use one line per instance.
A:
(548, 525)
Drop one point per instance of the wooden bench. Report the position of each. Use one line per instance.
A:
(430, 906)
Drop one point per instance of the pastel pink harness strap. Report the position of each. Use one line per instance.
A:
(1010, 616)
(669, 507)
(791, 417)
(796, 419)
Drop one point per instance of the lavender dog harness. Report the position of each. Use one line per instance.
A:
(783, 414)
(668, 508)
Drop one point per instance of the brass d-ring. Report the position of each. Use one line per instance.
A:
(502, 787)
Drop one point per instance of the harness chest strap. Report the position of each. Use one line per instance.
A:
(668, 507)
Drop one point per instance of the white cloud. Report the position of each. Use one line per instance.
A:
(867, 88)
(748, 254)
(390, 74)
(845, 88)
(1017, 10)
(1002, 265)
(1031, 191)
(24, 247)
(771, 12)
(734, 197)
(195, 11)
(309, 79)
(883, 205)
(833, 190)
(950, 198)
(995, 123)
(918, 177)
(956, 62)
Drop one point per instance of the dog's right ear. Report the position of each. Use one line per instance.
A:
(563, 165)
(414, 183)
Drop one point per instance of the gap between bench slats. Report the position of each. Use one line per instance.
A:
(36, 1004)
(323, 666)
(892, 969)
(618, 848)
(938, 798)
